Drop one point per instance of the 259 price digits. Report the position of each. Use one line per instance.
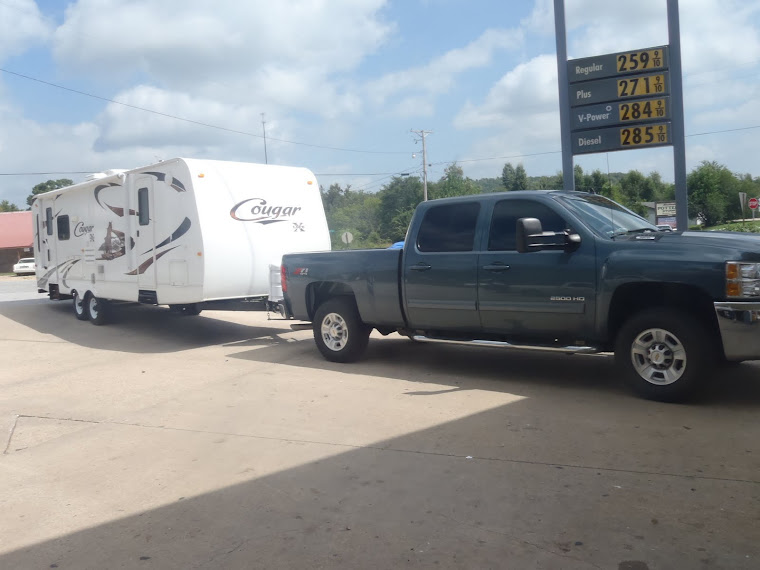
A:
(636, 136)
(640, 60)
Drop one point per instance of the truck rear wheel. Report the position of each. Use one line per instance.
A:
(340, 334)
(664, 355)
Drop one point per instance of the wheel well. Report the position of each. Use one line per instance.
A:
(319, 293)
(635, 297)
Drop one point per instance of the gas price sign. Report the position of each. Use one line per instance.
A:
(620, 101)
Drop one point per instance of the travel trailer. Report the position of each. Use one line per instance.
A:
(190, 234)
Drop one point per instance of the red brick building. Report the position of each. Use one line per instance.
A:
(16, 238)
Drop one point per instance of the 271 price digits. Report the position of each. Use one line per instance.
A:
(646, 85)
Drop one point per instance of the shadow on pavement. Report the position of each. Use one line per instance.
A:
(135, 328)
(526, 373)
(485, 491)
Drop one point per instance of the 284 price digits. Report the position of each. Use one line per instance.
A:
(639, 136)
(654, 109)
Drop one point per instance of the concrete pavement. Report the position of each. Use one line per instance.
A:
(226, 441)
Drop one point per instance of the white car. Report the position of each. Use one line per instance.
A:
(665, 227)
(24, 266)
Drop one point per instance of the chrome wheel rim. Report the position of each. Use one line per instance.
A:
(658, 356)
(93, 307)
(334, 332)
(78, 304)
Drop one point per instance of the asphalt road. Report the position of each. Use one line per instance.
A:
(226, 441)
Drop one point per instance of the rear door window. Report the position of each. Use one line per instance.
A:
(450, 227)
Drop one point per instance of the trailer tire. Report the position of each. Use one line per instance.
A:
(665, 355)
(80, 308)
(97, 309)
(339, 332)
(191, 310)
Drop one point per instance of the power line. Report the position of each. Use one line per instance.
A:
(200, 123)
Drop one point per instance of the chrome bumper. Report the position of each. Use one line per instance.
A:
(739, 325)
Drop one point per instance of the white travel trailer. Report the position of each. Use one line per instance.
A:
(184, 233)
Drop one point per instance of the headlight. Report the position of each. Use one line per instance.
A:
(742, 279)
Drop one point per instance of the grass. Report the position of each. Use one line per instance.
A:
(741, 226)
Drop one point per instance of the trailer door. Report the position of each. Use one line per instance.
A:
(144, 253)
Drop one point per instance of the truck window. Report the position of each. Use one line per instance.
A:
(450, 227)
(63, 227)
(143, 206)
(501, 236)
(49, 221)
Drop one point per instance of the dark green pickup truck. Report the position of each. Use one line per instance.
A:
(545, 270)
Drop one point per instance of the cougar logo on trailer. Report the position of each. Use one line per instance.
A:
(80, 229)
(259, 211)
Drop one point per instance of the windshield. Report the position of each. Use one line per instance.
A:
(606, 217)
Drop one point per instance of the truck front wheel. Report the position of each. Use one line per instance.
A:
(340, 334)
(664, 355)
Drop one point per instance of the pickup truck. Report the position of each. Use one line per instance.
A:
(561, 271)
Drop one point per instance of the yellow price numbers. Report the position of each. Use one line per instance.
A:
(642, 110)
(641, 85)
(642, 136)
(640, 60)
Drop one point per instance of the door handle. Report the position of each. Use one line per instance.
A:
(420, 267)
(496, 267)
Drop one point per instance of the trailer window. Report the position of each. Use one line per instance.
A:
(449, 228)
(143, 207)
(63, 227)
(37, 230)
(49, 220)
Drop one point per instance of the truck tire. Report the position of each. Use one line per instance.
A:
(97, 310)
(339, 332)
(80, 309)
(665, 355)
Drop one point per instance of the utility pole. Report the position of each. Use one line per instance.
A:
(422, 135)
(263, 128)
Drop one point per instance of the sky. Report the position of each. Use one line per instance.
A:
(91, 85)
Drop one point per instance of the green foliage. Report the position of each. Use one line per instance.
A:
(43, 187)
(6, 206)
(379, 219)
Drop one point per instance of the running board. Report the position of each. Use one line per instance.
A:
(504, 344)
(301, 326)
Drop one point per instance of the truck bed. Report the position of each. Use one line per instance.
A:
(370, 275)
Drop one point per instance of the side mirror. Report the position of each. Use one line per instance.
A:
(531, 237)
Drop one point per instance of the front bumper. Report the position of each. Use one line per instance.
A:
(739, 325)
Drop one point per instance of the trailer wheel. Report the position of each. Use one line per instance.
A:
(665, 355)
(339, 332)
(96, 309)
(80, 309)
(191, 310)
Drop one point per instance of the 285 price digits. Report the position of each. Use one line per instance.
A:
(654, 109)
(636, 136)
(640, 60)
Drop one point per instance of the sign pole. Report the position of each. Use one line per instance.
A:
(568, 171)
(679, 143)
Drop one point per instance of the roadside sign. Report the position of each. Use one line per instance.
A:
(347, 237)
(753, 203)
(611, 64)
(621, 138)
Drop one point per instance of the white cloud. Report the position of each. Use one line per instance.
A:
(21, 26)
(438, 75)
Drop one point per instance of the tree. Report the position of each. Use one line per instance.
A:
(521, 178)
(713, 193)
(398, 199)
(508, 176)
(43, 187)
(6, 206)
(453, 183)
